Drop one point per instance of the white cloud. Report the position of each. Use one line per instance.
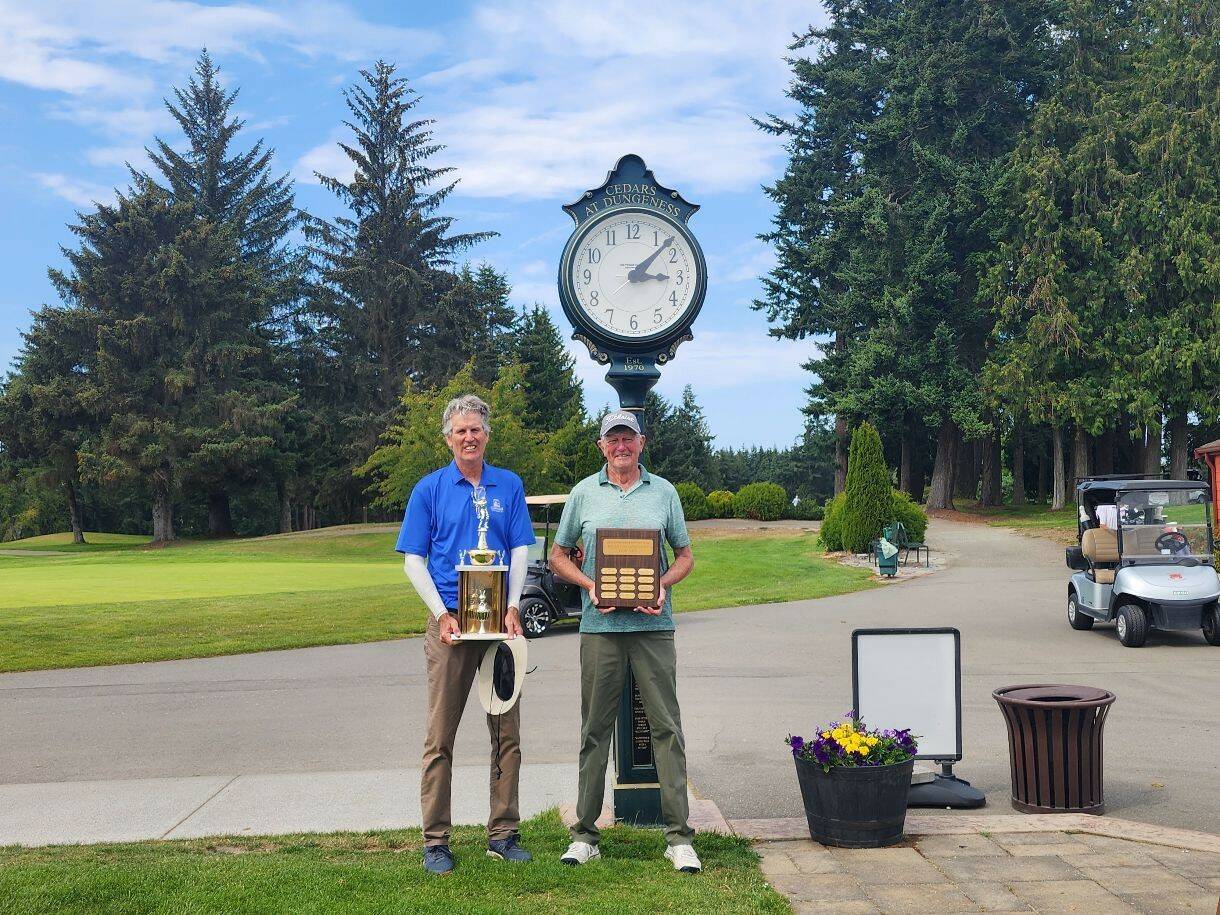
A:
(551, 94)
(744, 264)
(83, 194)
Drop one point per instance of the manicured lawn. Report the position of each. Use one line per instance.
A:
(62, 543)
(381, 873)
(1023, 517)
(113, 604)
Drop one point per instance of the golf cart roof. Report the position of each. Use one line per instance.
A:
(558, 499)
(1134, 484)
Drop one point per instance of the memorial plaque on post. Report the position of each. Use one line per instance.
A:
(628, 567)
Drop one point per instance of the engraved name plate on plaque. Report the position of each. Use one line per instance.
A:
(628, 570)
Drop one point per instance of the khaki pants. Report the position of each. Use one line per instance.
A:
(451, 672)
(603, 671)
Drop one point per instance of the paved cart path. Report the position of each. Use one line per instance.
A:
(749, 676)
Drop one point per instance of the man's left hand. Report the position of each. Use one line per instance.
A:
(659, 608)
(512, 623)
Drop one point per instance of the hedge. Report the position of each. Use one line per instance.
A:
(694, 502)
(760, 501)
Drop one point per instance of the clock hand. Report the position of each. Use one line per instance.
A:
(640, 271)
(655, 276)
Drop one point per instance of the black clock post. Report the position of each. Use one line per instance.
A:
(633, 350)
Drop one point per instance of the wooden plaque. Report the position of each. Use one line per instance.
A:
(628, 572)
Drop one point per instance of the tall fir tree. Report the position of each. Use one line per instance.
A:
(238, 190)
(387, 301)
(554, 395)
(174, 307)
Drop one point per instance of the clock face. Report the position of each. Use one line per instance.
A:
(633, 274)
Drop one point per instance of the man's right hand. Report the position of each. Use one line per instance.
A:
(449, 628)
(592, 589)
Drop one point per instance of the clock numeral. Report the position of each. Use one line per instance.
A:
(678, 280)
(595, 256)
(673, 297)
(673, 255)
(593, 298)
(610, 237)
(633, 232)
(656, 237)
(589, 276)
(656, 316)
(609, 315)
(635, 325)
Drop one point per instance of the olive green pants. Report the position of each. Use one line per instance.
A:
(603, 670)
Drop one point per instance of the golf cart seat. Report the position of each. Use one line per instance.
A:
(1100, 547)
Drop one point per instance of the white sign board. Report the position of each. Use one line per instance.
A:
(909, 678)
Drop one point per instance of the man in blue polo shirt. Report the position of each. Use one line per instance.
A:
(440, 522)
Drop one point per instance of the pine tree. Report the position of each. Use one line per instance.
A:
(44, 420)
(173, 304)
(687, 444)
(869, 498)
(237, 190)
(554, 395)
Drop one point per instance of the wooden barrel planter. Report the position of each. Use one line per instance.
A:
(855, 807)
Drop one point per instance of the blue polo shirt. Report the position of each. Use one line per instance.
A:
(440, 521)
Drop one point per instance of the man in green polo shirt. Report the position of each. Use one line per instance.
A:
(624, 494)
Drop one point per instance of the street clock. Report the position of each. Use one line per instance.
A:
(632, 277)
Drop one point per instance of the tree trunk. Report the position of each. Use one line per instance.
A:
(1179, 453)
(940, 492)
(163, 510)
(992, 490)
(966, 469)
(1018, 463)
(904, 461)
(74, 513)
(1080, 453)
(1103, 454)
(1152, 448)
(1058, 497)
(1041, 481)
(841, 445)
(220, 518)
(281, 492)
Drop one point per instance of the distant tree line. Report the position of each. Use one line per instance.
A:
(222, 362)
(1003, 219)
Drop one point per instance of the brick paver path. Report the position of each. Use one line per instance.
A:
(1049, 872)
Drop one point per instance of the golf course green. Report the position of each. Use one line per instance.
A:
(116, 599)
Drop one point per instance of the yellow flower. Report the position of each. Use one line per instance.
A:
(838, 733)
(826, 735)
(872, 741)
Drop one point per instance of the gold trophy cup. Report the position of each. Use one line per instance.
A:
(482, 582)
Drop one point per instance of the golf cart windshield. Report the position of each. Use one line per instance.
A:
(1158, 523)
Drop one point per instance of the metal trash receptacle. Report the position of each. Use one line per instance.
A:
(1055, 746)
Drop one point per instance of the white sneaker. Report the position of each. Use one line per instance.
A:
(684, 858)
(580, 853)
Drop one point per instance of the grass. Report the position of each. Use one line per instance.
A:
(62, 543)
(1032, 518)
(380, 872)
(117, 602)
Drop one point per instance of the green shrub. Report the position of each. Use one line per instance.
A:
(870, 501)
(911, 514)
(720, 503)
(694, 502)
(760, 501)
(807, 510)
(831, 534)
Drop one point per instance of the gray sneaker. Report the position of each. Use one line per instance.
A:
(438, 859)
(580, 853)
(508, 850)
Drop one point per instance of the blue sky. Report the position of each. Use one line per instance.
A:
(534, 102)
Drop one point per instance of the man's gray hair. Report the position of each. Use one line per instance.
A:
(467, 403)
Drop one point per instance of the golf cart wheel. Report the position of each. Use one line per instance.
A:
(1211, 624)
(1076, 618)
(1132, 625)
(536, 617)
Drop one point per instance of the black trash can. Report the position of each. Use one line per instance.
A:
(1055, 746)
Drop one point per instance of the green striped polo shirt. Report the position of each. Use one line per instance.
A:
(596, 503)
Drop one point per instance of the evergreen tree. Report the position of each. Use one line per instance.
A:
(386, 301)
(173, 305)
(554, 395)
(868, 497)
(235, 189)
(44, 420)
(687, 444)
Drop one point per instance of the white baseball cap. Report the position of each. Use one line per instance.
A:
(619, 418)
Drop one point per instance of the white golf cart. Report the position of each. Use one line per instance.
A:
(547, 598)
(1145, 558)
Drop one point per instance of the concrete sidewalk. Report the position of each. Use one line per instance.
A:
(132, 810)
(998, 863)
